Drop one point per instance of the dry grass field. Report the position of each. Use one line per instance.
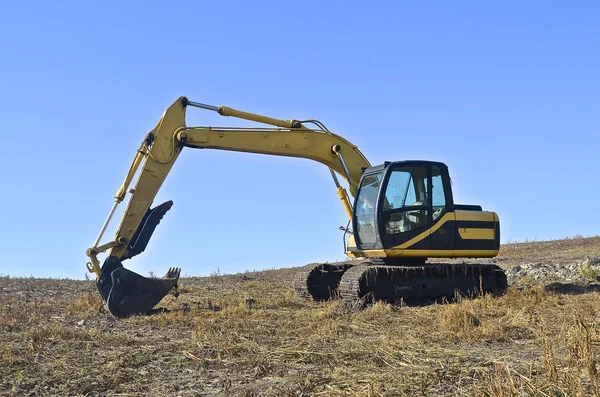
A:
(249, 334)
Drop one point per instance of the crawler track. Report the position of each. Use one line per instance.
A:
(421, 283)
(320, 281)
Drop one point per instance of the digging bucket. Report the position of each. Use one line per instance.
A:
(126, 293)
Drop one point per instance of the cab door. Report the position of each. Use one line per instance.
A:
(405, 209)
(444, 236)
(365, 211)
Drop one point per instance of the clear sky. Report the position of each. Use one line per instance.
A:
(506, 93)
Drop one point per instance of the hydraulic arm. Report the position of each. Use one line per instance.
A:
(125, 292)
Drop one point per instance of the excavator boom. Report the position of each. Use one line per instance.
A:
(125, 292)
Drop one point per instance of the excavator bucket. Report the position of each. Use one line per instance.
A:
(127, 293)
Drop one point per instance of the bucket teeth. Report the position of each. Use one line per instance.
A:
(173, 272)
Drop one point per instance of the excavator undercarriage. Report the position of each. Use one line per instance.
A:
(394, 283)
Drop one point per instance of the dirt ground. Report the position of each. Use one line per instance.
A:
(250, 334)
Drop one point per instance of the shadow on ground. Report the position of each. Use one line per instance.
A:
(572, 289)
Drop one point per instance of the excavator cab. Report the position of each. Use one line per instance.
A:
(404, 215)
(405, 212)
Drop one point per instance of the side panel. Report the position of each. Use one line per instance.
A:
(444, 238)
(476, 236)
(462, 232)
(476, 230)
(404, 253)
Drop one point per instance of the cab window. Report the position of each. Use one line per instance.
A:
(437, 192)
(365, 208)
(405, 205)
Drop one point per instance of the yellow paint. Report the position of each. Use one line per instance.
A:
(137, 160)
(351, 241)
(161, 156)
(304, 143)
(290, 140)
(343, 195)
(170, 134)
(227, 111)
(446, 218)
(402, 250)
(94, 266)
(473, 233)
(404, 253)
(478, 216)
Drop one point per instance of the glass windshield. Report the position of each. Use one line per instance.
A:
(365, 208)
(407, 187)
(437, 192)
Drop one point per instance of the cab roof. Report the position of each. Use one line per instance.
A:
(386, 164)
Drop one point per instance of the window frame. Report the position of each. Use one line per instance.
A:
(375, 215)
(385, 183)
(391, 240)
(443, 184)
(385, 241)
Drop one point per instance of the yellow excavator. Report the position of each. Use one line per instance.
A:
(402, 214)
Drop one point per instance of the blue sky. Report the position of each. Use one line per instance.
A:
(506, 93)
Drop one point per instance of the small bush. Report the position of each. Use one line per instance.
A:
(590, 273)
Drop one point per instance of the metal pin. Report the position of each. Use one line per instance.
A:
(203, 106)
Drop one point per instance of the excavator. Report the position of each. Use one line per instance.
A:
(402, 216)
